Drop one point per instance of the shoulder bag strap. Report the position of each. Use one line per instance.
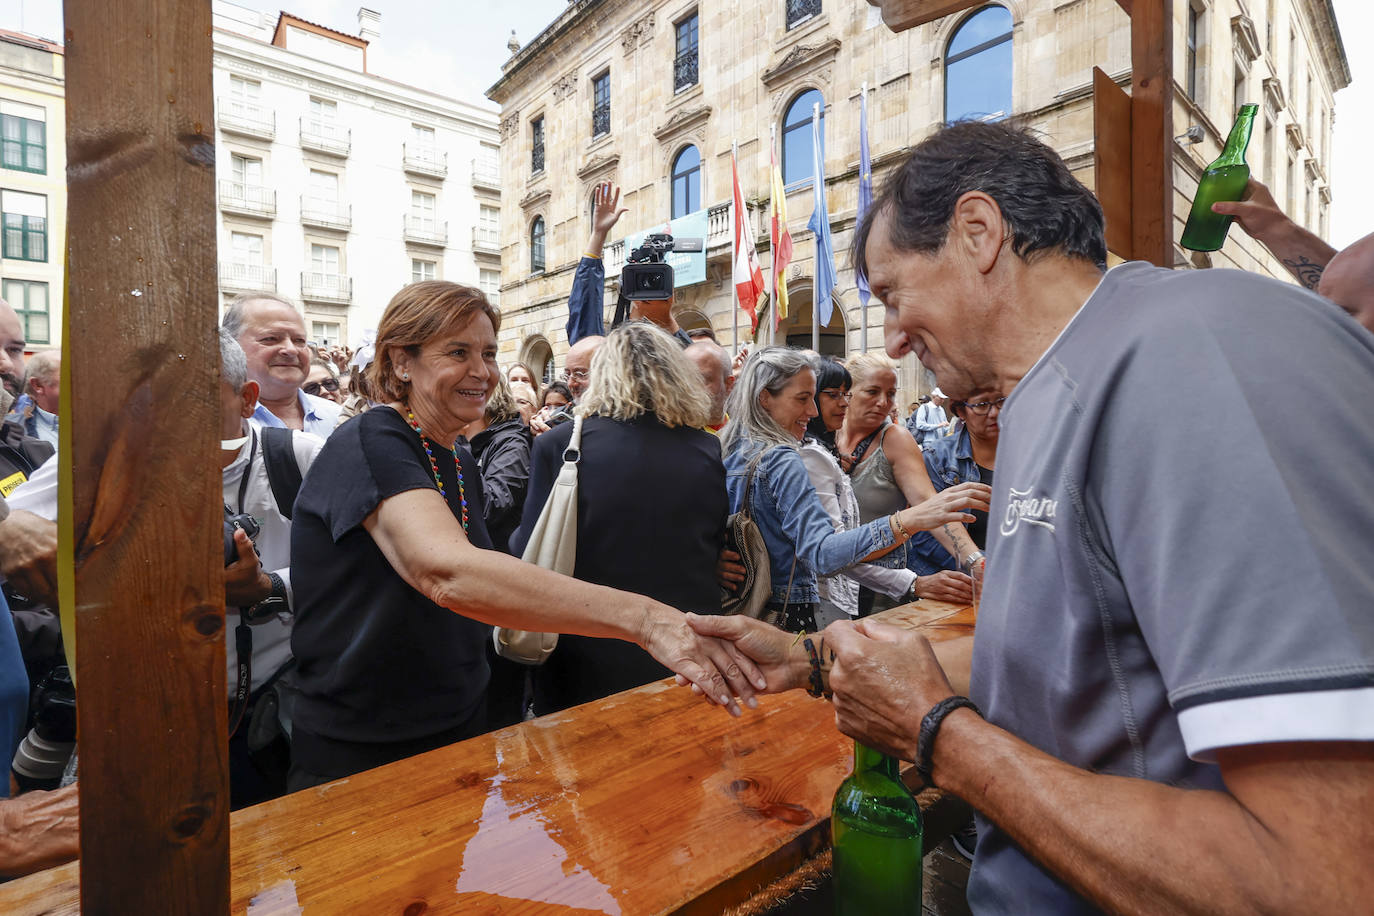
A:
(283, 471)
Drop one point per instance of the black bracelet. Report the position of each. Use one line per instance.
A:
(930, 727)
(817, 686)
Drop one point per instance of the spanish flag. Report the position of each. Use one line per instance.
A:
(781, 241)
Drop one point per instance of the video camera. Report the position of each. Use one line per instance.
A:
(646, 277)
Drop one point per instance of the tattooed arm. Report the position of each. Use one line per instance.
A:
(1303, 253)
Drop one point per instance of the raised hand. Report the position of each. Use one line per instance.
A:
(606, 212)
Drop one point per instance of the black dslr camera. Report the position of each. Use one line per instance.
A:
(233, 522)
(645, 276)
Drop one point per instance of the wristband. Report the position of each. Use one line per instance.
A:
(930, 727)
(901, 529)
(816, 685)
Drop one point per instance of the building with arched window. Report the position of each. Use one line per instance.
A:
(684, 83)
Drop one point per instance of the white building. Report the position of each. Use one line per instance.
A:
(337, 187)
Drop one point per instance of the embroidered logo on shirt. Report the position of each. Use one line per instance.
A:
(1033, 510)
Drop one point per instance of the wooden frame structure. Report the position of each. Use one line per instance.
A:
(142, 568)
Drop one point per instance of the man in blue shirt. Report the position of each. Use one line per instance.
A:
(272, 334)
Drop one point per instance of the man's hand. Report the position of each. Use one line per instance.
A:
(38, 830)
(730, 572)
(885, 680)
(714, 667)
(777, 653)
(945, 585)
(606, 212)
(28, 555)
(245, 584)
(1304, 254)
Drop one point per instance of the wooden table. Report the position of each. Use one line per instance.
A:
(647, 802)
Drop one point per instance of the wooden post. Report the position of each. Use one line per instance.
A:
(144, 509)
(1112, 160)
(1152, 133)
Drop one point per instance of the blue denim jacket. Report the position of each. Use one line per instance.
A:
(949, 461)
(788, 512)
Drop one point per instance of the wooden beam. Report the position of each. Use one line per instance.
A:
(1152, 121)
(900, 15)
(1112, 160)
(142, 434)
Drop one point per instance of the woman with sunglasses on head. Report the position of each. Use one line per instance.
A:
(885, 467)
(769, 408)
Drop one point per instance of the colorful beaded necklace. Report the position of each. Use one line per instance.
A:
(434, 465)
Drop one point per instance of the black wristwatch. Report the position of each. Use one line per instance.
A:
(911, 592)
(275, 603)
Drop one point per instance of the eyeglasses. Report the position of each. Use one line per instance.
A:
(577, 375)
(313, 388)
(835, 394)
(982, 408)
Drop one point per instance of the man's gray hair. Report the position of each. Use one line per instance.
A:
(233, 365)
(769, 369)
(722, 355)
(233, 314)
(44, 366)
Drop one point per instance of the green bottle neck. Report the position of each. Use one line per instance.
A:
(867, 760)
(1236, 143)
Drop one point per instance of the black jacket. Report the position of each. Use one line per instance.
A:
(502, 451)
(19, 455)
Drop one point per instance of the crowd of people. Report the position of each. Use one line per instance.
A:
(1152, 715)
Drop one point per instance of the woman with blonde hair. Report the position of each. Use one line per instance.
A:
(887, 473)
(393, 591)
(651, 503)
(519, 372)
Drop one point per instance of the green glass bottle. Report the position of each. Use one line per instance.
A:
(1224, 180)
(875, 829)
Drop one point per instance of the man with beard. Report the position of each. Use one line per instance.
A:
(272, 334)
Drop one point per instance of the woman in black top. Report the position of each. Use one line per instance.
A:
(391, 589)
(651, 504)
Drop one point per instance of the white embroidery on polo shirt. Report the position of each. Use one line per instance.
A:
(1033, 510)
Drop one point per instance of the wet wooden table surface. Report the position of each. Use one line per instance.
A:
(648, 802)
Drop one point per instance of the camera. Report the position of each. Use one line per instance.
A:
(235, 522)
(43, 754)
(646, 276)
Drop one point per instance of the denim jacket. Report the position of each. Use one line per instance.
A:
(949, 461)
(788, 512)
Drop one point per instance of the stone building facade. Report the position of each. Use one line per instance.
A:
(337, 186)
(33, 183)
(621, 91)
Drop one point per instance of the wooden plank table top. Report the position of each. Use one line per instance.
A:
(647, 802)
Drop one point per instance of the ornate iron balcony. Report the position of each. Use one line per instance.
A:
(685, 70)
(800, 10)
(601, 119)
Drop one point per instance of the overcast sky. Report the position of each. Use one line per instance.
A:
(458, 48)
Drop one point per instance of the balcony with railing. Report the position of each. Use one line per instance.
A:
(326, 214)
(324, 136)
(601, 119)
(685, 70)
(486, 241)
(799, 11)
(317, 286)
(238, 116)
(424, 160)
(247, 199)
(486, 174)
(248, 278)
(422, 230)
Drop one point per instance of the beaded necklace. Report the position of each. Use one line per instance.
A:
(434, 465)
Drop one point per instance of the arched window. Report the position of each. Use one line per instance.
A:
(537, 245)
(978, 67)
(798, 160)
(686, 182)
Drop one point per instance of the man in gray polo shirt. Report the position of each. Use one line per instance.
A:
(1175, 649)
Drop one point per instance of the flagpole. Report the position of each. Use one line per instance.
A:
(734, 254)
(773, 318)
(815, 269)
(863, 306)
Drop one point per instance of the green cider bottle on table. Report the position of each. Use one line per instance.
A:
(1224, 180)
(876, 831)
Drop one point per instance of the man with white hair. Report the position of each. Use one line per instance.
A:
(36, 407)
(713, 362)
(271, 332)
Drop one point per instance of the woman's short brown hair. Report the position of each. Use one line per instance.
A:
(415, 315)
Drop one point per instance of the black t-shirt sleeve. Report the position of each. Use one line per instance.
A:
(386, 460)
